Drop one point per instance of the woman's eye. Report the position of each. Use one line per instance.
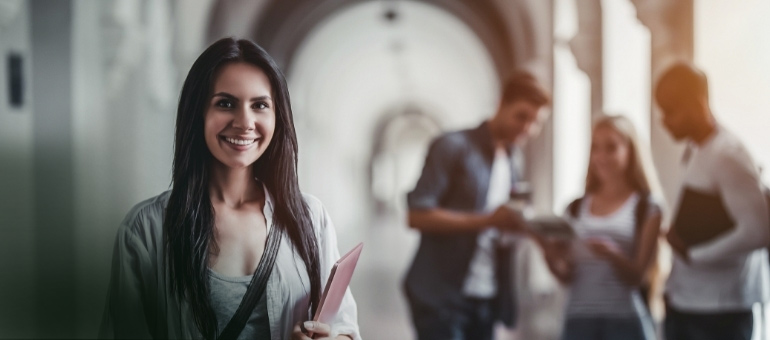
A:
(224, 104)
(260, 106)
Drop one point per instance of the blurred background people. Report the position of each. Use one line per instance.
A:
(616, 225)
(720, 227)
(457, 284)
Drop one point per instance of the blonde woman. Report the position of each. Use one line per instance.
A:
(617, 226)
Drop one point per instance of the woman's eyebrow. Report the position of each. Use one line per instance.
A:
(234, 98)
(226, 95)
(263, 98)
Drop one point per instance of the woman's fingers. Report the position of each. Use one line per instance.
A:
(316, 327)
(298, 333)
(598, 247)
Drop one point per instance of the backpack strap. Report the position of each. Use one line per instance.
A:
(640, 216)
(574, 208)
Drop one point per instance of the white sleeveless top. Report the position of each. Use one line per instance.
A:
(596, 289)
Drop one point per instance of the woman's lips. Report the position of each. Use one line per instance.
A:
(239, 144)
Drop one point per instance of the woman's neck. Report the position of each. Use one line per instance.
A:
(234, 187)
(614, 188)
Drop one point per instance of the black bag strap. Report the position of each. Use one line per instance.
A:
(574, 207)
(256, 287)
(640, 215)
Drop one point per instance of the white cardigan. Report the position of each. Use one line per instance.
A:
(139, 302)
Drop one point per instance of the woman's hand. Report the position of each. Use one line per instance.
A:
(317, 330)
(603, 247)
(625, 267)
(558, 259)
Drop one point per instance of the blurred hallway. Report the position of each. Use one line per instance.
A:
(90, 87)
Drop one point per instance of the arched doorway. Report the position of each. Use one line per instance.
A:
(350, 66)
(367, 102)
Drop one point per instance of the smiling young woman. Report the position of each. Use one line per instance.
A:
(617, 226)
(234, 249)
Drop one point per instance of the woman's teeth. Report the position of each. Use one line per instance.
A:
(240, 141)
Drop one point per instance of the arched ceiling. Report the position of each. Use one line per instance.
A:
(280, 25)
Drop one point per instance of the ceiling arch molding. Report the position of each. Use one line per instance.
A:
(281, 26)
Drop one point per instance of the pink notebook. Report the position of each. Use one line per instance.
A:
(337, 285)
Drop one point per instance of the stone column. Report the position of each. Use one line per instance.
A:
(531, 33)
(587, 48)
(671, 27)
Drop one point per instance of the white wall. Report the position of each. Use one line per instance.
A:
(125, 88)
(626, 53)
(732, 45)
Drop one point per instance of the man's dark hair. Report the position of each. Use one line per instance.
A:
(523, 86)
(682, 80)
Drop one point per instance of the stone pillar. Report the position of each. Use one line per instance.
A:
(531, 35)
(587, 47)
(671, 27)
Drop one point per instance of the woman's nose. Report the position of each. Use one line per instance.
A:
(244, 119)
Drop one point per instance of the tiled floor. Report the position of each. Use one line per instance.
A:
(383, 313)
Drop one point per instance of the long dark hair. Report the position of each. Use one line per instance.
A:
(188, 227)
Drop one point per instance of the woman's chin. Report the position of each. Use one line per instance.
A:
(609, 176)
(236, 163)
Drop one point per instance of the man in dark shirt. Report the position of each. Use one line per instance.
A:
(458, 284)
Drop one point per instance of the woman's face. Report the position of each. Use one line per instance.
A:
(240, 117)
(609, 154)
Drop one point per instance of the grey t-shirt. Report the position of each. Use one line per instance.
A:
(226, 294)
